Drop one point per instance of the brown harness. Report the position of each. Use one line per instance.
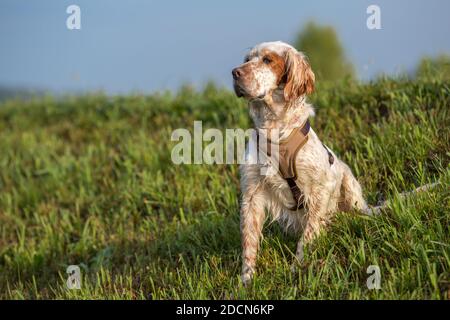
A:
(288, 149)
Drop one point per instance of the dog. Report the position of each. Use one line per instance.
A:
(276, 79)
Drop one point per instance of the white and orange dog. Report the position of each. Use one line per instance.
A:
(275, 79)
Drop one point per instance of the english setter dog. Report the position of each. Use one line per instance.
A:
(311, 183)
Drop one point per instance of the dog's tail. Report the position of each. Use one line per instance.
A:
(376, 210)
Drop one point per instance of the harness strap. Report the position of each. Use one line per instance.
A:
(296, 194)
(288, 150)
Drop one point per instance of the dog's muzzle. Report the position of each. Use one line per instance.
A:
(240, 92)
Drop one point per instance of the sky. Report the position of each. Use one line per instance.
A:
(145, 46)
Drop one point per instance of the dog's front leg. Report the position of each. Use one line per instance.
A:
(315, 219)
(252, 220)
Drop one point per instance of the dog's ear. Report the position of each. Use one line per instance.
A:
(299, 75)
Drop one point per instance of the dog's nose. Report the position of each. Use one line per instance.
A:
(237, 73)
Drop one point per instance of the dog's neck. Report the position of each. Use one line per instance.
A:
(274, 112)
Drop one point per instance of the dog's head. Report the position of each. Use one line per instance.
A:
(273, 65)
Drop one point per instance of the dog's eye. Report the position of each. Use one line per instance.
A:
(246, 59)
(267, 60)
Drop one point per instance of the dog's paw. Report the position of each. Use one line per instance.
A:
(296, 264)
(295, 267)
(246, 278)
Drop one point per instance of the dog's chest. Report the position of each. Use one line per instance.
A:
(279, 189)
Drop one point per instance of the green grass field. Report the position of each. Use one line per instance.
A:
(89, 181)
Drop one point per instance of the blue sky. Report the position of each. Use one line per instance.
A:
(138, 45)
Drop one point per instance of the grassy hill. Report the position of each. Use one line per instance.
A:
(89, 181)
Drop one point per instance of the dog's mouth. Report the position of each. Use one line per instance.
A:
(241, 92)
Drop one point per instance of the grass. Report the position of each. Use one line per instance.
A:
(88, 180)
